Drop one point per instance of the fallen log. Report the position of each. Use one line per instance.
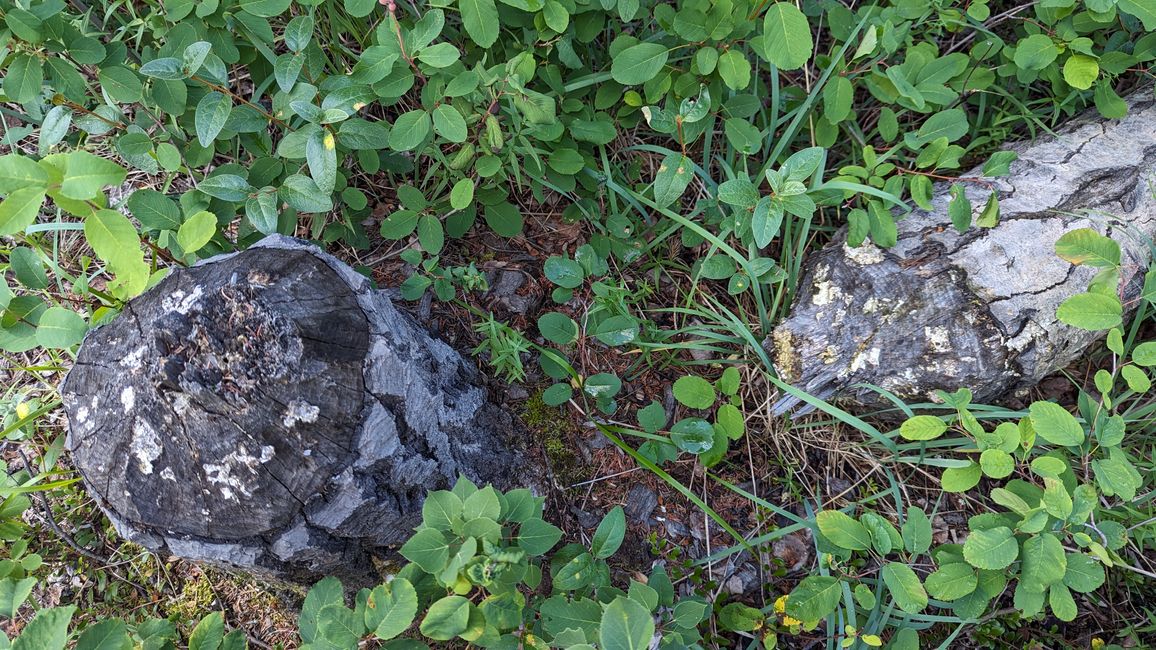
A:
(268, 410)
(945, 310)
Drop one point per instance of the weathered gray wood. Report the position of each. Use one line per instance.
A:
(944, 310)
(269, 410)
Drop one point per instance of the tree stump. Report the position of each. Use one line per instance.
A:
(269, 410)
(945, 310)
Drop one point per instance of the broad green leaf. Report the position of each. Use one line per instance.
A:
(321, 156)
(303, 195)
(60, 328)
(1137, 379)
(737, 617)
(1086, 246)
(261, 211)
(734, 69)
(609, 534)
(298, 33)
(48, 630)
(626, 625)
(694, 392)
(639, 63)
(20, 172)
(952, 581)
(1081, 71)
(227, 187)
(121, 85)
(23, 78)
(537, 536)
(673, 177)
(693, 435)
(996, 463)
(916, 531)
(1083, 574)
(961, 479)
(449, 123)
(563, 272)
(566, 161)
(480, 18)
(19, 209)
(428, 549)
(951, 124)
(265, 8)
(922, 427)
(1142, 9)
(1055, 424)
(197, 231)
(13, 593)
(440, 55)
(1044, 562)
(154, 210)
(905, 587)
(739, 192)
(843, 531)
(164, 68)
(391, 608)
(109, 634)
(208, 633)
(85, 175)
(814, 598)
(558, 328)
(788, 43)
(210, 116)
(113, 238)
(446, 618)
(462, 194)
(1036, 52)
(837, 99)
(1062, 603)
(409, 130)
(1145, 354)
(766, 220)
(1091, 311)
(994, 549)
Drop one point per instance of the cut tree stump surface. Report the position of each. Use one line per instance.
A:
(945, 310)
(269, 410)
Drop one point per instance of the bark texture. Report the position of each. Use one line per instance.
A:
(944, 310)
(269, 410)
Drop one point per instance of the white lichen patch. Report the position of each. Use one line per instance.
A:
(145, 446)
(864, 254)
(938, 339)
(181, 303)
(872, 305)
(227, 475)
(864, 358)
(167, 474)
(300, 411)
(127, 398)
(133, 359)
(825, 291)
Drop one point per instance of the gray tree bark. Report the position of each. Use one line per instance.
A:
(944, 310)
(269, 410)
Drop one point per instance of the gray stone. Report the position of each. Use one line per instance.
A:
(269, 410)
(945, 310)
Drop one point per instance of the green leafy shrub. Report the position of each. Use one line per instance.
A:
(482, 568)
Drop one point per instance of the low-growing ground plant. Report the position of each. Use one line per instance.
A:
(698, 149)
